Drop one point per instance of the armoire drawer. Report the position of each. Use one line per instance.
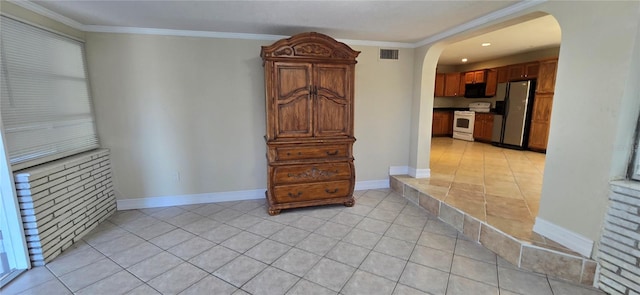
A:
(311, 173)
(312, 152)
(311, 191)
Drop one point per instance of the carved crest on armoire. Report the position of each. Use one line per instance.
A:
(309, 86)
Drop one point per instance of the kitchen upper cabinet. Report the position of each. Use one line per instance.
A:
(540, 119)
(547, 76)
(503, 74)
(483, 127)
(523, 71)
(462, 87)
(474, 77)
(449, 85)
(492, 83)
(452, 84)
(442, 123)
(531, 70)
(439, 87)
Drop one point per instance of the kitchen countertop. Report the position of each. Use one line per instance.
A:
(493, 112)
(437, 109)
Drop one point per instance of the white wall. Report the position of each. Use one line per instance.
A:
(593, 71)
(170, 105)
(382, 104)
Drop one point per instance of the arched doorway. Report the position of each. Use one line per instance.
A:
(495, 185)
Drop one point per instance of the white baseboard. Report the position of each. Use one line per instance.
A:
(398, 170)
(563, 236)
(164, 201)
(179, 200)
(419, 173)
(372, 184)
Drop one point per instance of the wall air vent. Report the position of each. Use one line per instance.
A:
(389, 54)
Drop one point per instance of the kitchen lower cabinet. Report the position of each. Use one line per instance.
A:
(442, 123)
(538, 136)
(483, 127)
(540, 121)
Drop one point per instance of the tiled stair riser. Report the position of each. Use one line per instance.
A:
(526, 256)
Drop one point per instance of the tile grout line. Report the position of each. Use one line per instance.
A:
(299, 278)
(166, 251)
(451, 265)
(391, 223)
(163, 251)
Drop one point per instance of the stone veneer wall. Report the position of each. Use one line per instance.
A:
(619, 252)
(572, 268)
(61, 201)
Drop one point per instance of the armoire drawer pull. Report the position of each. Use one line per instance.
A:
(291, 195)
(332, 153)
(331, 191)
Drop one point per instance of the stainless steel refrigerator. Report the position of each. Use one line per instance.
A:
(514, 102)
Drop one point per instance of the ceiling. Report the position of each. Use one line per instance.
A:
(535, 34)
(405, 23)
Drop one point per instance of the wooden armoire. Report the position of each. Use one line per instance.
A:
(309, 81)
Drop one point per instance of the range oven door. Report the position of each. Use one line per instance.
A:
(463, 122)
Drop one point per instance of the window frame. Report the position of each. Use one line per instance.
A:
(91, 111)
(633, 171)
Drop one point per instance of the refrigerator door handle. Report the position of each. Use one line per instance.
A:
(506, 106)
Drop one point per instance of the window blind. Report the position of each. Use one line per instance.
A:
(45, 103)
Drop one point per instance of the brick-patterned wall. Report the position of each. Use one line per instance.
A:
(61, 201)
(619, 255)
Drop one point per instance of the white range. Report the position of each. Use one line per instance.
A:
(463, 121)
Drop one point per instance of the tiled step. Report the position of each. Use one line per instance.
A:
(524, 254)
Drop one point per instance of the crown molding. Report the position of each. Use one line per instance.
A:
(48, 13)
(518, 7)
(377, 43)
(184, 33)
(498, 14)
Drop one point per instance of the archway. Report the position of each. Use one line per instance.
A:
(508, 201)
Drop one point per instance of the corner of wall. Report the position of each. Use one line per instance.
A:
(563, 236)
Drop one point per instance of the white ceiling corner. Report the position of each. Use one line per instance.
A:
(388, 24)
(48, 13)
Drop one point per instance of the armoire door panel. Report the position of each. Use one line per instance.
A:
(332, 105)
(292, 79)
(294, 118)
(332, 117)
(332, 79)
(293, 104)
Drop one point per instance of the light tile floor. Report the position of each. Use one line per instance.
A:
(382, 245)
(497, 185)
